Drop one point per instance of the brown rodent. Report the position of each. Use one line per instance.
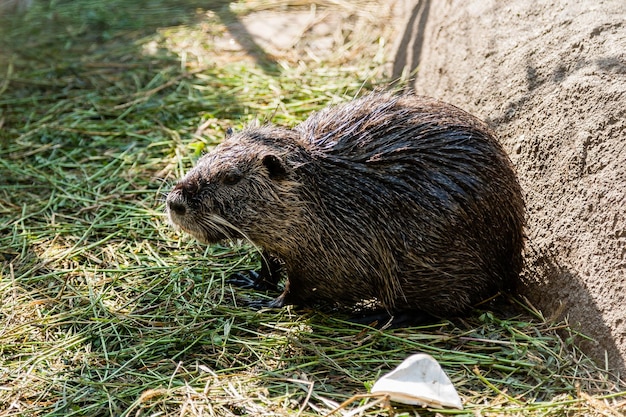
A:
(397, 199)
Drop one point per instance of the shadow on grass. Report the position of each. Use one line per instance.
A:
(99, 56)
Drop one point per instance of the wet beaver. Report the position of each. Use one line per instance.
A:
(399, 199)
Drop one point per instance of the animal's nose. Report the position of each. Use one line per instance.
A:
(180, 194)
(176, 207)
(183, 192)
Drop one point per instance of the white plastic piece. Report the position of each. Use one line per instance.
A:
(419, 380)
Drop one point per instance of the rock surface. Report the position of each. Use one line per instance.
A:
(550, 77)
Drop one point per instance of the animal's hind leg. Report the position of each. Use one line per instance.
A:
(406, 318)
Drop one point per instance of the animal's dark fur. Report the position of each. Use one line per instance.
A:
(402, 199)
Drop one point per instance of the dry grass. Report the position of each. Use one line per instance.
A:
(106, 311)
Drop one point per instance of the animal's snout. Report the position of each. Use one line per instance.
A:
(176, 200)
(176, 206)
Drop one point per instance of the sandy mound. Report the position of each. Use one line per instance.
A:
(551, 79)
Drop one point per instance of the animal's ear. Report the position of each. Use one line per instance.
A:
(275, 167)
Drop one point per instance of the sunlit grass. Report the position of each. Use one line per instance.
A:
(104, 310)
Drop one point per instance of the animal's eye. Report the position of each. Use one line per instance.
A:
(232, 177)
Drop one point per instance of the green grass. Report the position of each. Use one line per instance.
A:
(104, 310)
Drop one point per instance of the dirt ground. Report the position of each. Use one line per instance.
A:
(551, 79)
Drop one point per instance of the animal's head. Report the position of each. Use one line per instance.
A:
(241, 189)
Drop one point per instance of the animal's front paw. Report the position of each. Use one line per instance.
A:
(247, 280)
(277, 302)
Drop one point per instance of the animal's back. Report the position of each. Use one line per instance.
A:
(426, 195)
